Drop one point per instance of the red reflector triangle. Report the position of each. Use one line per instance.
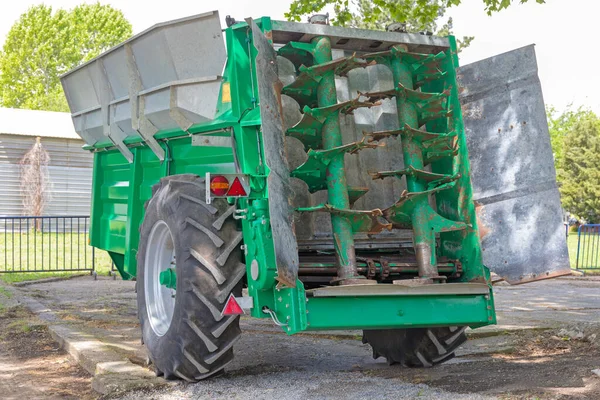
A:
(236, 188)
(232, 307)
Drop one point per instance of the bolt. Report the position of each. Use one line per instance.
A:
(319, 19)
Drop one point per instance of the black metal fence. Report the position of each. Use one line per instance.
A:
(45, 244)
(588, 247)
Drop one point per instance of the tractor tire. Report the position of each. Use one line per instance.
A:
(415, 347)
(197, 341)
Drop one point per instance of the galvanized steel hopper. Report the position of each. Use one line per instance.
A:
(167, 77)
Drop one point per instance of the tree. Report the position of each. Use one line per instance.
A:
(421, 13)
(559, 124)
(44, 44)
(418, 15)
(369, 16)
(35, 183)
(578, 173)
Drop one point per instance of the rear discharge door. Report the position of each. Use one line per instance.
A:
(512, 168)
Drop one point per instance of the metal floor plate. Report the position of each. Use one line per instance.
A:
(445, 289)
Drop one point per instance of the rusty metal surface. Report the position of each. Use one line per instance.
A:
(512, 168)
(311, 227)
(356, 39)
(280, 192)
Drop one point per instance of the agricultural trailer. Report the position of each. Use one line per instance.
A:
(319, 177)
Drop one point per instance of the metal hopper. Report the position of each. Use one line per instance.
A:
(166, 77)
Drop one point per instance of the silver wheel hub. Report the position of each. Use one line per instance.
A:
(160, 256)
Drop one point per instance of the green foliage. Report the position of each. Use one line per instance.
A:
(369, 16)
(419, 15)
(559, 124)
(576, 139)
(43, 44)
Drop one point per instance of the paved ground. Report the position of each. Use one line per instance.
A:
(32, 365)
(514, 359)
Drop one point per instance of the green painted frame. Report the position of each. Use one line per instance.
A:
(120, 191)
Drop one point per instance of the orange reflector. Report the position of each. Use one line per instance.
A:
(219, 185)
(236, 189)
(232, 307)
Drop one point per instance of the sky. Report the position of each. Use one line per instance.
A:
(562, 30)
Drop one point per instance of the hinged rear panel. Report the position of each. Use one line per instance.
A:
(512, 168)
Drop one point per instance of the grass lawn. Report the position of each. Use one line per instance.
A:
(60, 251)
(572, 245)
(50, 252)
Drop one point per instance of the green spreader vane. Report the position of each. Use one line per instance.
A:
(423, 136)
(308, 130)
(435, 154)
(426, 77)
(298, 53)
(432, 178)
(313, 170)
(304, 88)
(366, 221)
(423, 100)
(400, 213)
(420, 63)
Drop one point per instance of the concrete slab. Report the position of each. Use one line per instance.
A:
(112, 371)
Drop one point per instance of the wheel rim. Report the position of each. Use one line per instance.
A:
(160, 256)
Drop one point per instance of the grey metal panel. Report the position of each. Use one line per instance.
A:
(356, 39)
(163, 78)
(71, 191)
(11, 202)
(69, 170)
(512, 168)
(280, 192)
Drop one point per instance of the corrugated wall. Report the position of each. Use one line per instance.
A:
(70, 171)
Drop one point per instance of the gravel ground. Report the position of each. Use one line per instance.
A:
(300, 385)
(527, 356)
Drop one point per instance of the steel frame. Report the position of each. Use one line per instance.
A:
(248, 108)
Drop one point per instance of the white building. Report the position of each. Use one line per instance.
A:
(70, 167)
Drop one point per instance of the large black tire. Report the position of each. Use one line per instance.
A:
(199, 340)
(415, 347)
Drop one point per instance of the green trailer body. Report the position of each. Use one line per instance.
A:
(364, 272)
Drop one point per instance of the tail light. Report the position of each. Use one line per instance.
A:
(226, 185)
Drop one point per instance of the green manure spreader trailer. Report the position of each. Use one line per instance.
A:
(319, 177)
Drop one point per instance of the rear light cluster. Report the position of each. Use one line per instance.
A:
(229, 185)
(219, 185)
